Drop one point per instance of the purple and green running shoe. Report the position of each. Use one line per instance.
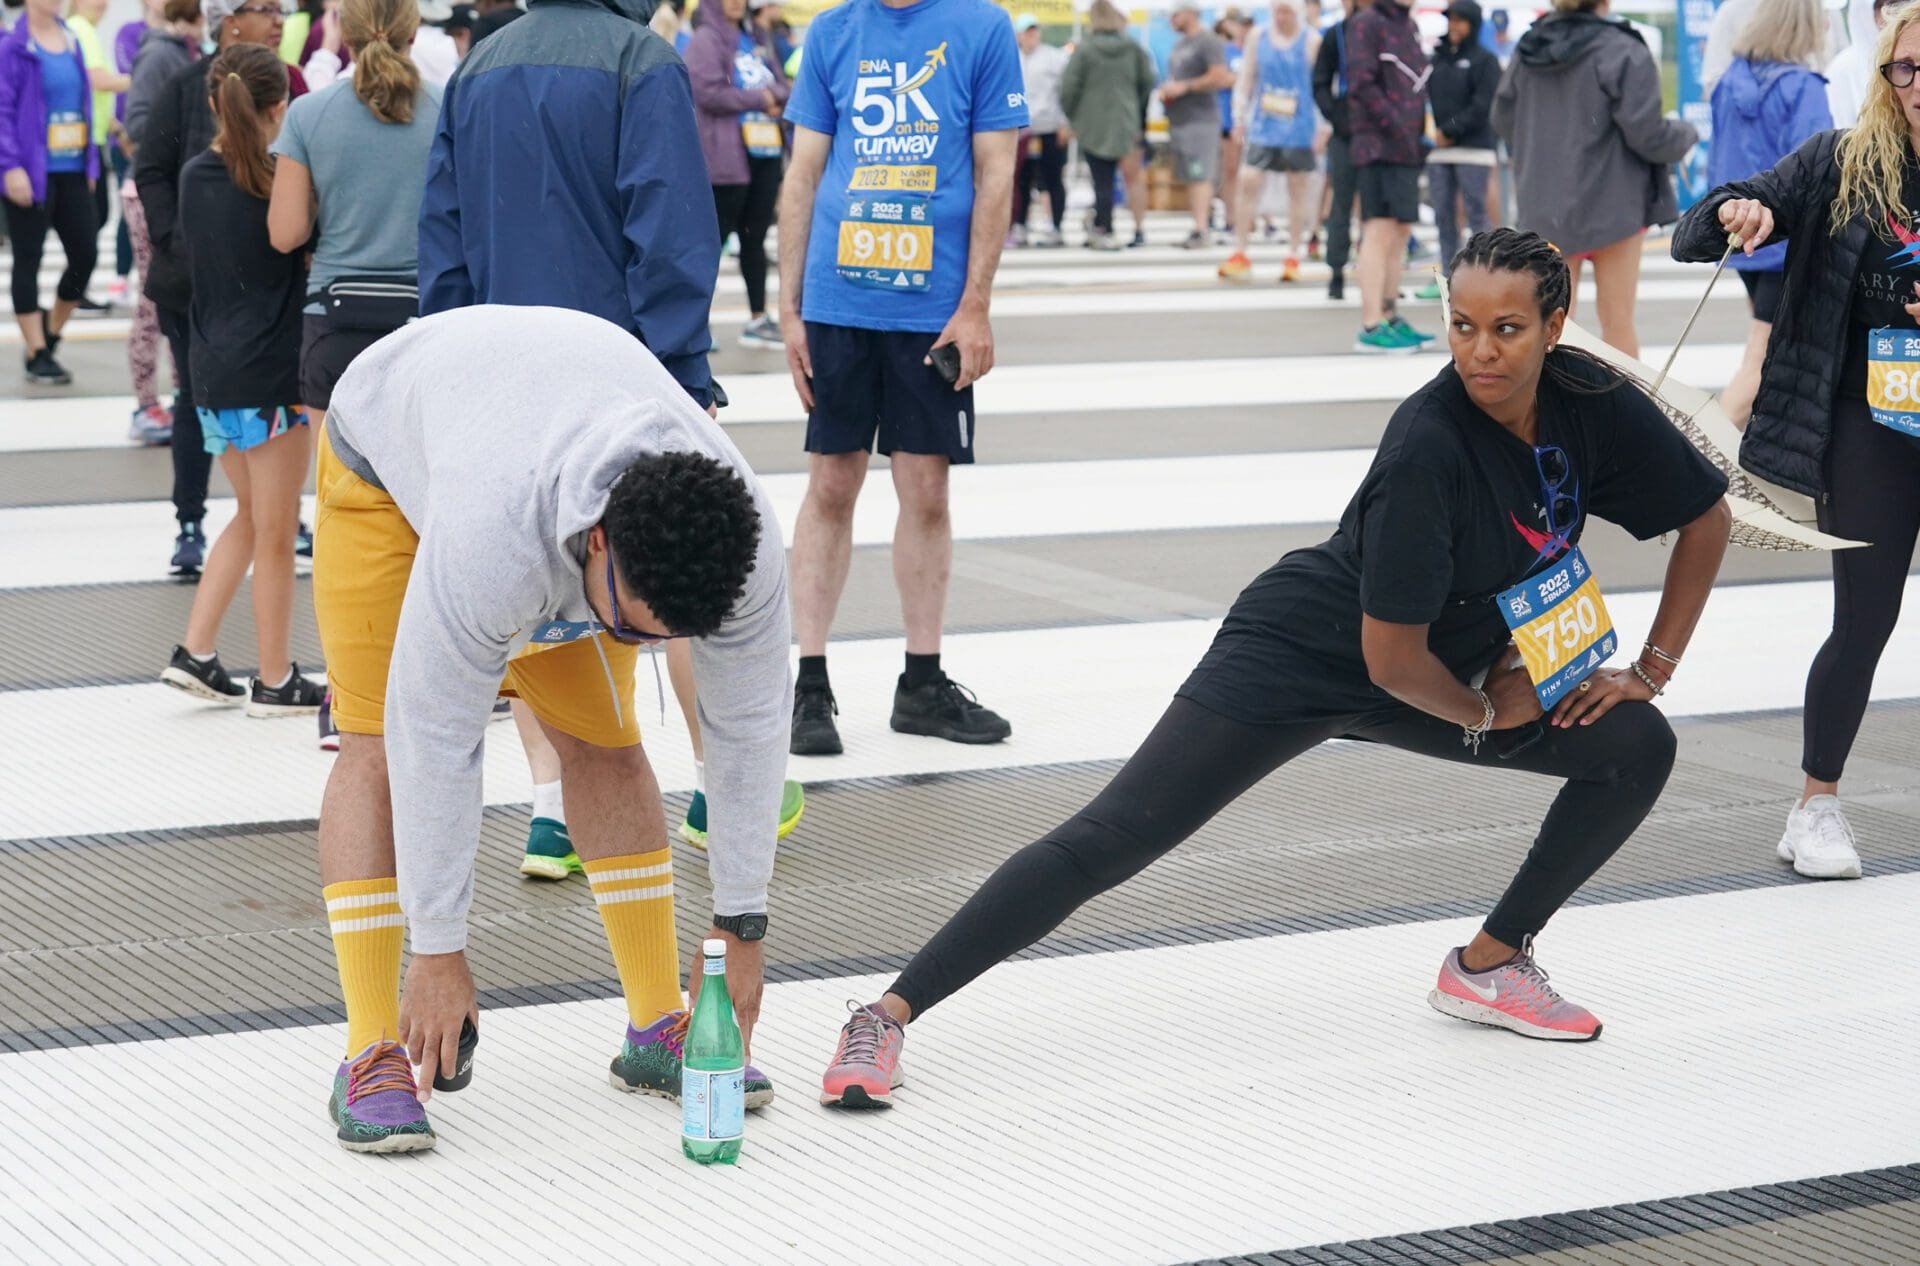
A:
(649, 1063)
(375, 1104)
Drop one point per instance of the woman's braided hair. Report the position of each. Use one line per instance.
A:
(1505, 250)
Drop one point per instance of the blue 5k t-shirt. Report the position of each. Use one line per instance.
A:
(901, 92)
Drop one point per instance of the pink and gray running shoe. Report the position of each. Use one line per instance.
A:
(866, 1067)
(1514, 995)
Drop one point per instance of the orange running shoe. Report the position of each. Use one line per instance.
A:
(1290, 269)
(1237, 268)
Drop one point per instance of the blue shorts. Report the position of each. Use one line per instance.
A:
(871, 385)
(243, 429)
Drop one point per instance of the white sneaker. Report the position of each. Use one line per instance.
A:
(1819, 842)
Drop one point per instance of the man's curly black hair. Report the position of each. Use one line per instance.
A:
(684, 533)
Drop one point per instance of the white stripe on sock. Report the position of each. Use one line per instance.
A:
(656, 893)
(638, 872)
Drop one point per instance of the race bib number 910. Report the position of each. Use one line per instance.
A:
(1893, 379)
(1561, 625)
(887, 243)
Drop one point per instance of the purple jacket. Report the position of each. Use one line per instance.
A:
(717, 104)
(126, 47)
(23, 110)
(1386, 85)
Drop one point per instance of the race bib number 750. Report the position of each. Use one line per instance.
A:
(1561, 626)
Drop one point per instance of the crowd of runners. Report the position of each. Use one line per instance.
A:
(332, 216)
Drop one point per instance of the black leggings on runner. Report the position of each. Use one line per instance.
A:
(1873, 483)
(1196, 762)
(748, 210)
(192, 464)
(1102, 170)
(1046, 169)
(68, 212)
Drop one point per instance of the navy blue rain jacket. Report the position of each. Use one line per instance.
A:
(567, 172)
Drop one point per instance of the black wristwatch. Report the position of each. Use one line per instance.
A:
(748, 927)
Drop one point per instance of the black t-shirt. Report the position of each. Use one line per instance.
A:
(247, 296)
(1449, 515)
(1885, 284)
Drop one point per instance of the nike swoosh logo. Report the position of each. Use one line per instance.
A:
(1489, 995)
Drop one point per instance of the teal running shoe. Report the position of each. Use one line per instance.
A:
(793, 804)
(550, 853)
(1398, 324)
(375, 1106)
(1429, 291)
(1383, 340)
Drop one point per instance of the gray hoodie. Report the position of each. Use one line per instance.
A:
(502, 463)
(162, 55)
(1592, 153)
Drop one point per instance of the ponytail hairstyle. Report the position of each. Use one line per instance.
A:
(1506, 250)
(247, 81)
(384, 77)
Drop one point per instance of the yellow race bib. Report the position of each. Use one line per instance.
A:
(887, 243)
(1893, 379)
(1279, 103)
(66, 136)
(1560, 625)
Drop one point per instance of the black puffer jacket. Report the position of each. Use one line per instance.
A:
(1786, 441)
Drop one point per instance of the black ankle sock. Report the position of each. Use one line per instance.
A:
(813, 672)
(921, 669)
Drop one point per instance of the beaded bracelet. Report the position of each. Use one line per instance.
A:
(1647, 678)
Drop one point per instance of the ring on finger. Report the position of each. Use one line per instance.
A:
(1586, 686)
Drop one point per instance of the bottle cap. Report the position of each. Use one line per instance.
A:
(715, 948)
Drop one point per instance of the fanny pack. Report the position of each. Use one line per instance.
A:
(371, 303)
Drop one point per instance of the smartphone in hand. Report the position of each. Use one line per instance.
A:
(946, 362)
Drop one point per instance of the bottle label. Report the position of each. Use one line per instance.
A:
(713, 1105)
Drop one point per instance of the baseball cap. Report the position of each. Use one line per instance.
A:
(1025, 22)
(463, 18)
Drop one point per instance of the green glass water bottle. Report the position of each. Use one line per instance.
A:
(713, 1073)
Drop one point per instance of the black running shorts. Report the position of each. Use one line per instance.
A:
(874, 384)
(1389, 191)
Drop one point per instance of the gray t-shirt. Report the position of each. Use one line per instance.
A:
(367, 178)
(1191, 58)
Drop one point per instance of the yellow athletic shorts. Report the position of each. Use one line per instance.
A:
(363, 550)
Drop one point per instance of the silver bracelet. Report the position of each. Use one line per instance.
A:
(1471, 736)
(1647, 678)
(1660, 654)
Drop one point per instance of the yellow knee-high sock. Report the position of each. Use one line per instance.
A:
(367, 931)
(635, 894)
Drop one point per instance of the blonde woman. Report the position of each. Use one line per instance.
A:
(1765, 104)
(1108, 82)
(1834, 416)
(352, 163)
(1592, 152)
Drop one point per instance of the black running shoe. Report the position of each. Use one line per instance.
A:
(205, 679)
(299, 697)
(943, 708)
(189, 550)
(1337, 288)
(43, 370)
(89, 304)
(814, 733)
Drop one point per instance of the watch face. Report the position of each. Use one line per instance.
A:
(753, 927)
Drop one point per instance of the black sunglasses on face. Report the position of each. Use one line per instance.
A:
(1899, 74)
(618, 630)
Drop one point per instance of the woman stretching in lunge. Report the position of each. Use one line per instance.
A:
(1470, 517)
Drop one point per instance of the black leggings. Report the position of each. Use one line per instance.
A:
(1873, 494)
(68, 211)
(1048, 167)
(192, 463)
(1196, 762)
(748, 210)
(1102, 170)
